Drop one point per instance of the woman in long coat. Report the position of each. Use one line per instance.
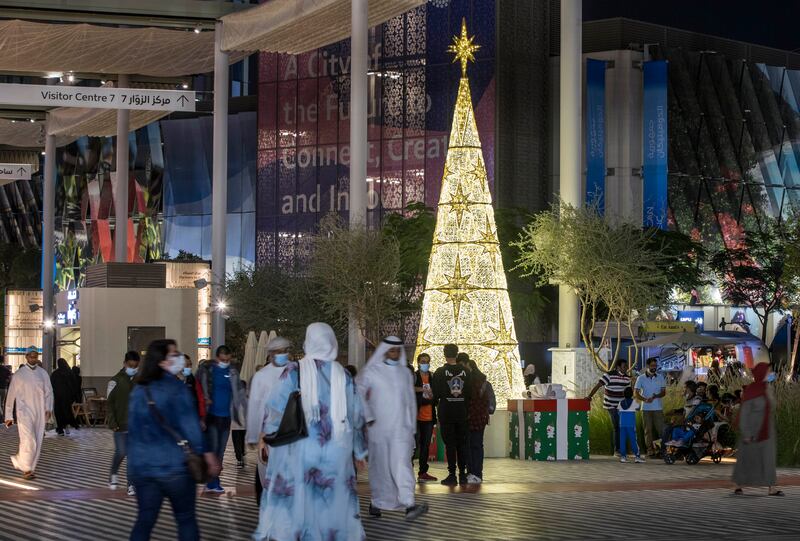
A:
(756, 452)
(64, 391)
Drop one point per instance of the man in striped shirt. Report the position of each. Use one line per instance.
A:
(613, 383)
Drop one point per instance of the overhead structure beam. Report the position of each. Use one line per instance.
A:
(187, 14)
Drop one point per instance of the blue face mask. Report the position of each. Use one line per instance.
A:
(771, 377)
(424, 367)
(391, 362)
(280, 359)
(187, 371)
(131, 371)
(223, 365)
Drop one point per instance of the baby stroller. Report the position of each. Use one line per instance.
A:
(697, 438)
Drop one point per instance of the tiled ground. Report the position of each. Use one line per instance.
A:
(596, 500)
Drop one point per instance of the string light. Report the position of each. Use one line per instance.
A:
(466, 295)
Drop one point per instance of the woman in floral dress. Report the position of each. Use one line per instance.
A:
(311, 484)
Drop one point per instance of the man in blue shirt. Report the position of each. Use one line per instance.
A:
(219, 382)
(650, 388)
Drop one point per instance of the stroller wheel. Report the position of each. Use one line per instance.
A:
(716, 457)
(669, 458)
(692, 458)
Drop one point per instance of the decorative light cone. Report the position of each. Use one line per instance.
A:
(466, 295)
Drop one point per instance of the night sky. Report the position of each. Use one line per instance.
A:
(773, 23)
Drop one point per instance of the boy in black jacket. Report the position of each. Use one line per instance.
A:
(451, 393)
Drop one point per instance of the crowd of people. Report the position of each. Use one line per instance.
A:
(311, 422)
(710, 419)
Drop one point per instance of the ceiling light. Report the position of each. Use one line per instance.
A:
(185, 86)
(196, 29)
(32, 120)
(71, 78)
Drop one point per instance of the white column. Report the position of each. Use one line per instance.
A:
(219, 193)
(358, 148)
(48, 250)
(571, 85)
(121, 194)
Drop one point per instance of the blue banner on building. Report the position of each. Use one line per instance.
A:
(654, 131)
(596, 133)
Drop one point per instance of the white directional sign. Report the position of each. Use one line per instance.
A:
(15, 171)
(97, 98)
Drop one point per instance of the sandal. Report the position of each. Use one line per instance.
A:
(738, 492)
(777, 493)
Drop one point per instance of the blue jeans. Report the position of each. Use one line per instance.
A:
(614, 414)
(628, 434)
(120, 451)
(181, 492)
(217, 431)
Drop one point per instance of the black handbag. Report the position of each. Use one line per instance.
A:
(293, 423)
(196, 464)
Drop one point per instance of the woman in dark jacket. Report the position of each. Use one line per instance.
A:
(64, 390)
(478, 411)
(156, 463)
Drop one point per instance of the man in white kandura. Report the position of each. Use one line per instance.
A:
(387, 389)
(260, 386)
(30, 389)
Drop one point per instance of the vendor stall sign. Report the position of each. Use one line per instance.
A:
(669, 326)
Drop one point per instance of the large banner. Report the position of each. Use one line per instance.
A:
(303, 159)
(655, 144)
(596, 133)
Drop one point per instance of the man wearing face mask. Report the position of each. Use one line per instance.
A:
(32, 393)
(426, 415)
(118, 392)
(386, 387)
(260, 386)
(219, 382)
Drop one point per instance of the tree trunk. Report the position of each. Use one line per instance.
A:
(793, 360)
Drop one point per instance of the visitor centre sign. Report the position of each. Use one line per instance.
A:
(97, 98)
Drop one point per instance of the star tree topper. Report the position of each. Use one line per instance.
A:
(463, 48)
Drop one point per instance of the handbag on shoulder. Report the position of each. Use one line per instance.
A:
(196, 464)
(293, 423)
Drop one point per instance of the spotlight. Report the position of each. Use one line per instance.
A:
(185, 86)
(196, 29)
(71, 78)
(221, 306)
(48, 324)
(32, 120)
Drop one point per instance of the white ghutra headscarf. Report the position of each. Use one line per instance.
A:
(321, 345)
(383, 348)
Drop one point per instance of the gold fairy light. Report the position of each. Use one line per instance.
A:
(466, 295)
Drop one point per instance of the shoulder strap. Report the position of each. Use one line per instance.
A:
(161, 421)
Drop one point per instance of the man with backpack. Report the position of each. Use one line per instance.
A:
(481, 405)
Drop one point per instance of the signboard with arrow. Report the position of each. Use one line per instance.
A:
(97, 98)
(15, 171)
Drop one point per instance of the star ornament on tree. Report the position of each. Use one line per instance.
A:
(457, 288)
(463, 48)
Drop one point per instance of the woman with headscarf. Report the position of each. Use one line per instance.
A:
(386, 387)
(65, 388)
(310, 488)
(756, 451)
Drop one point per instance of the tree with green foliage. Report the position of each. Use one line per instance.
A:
(272, 298)
(617, 271)
(753, 273)
(356, 274)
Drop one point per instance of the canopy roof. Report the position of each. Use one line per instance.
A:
(30, 47)
(297, 26)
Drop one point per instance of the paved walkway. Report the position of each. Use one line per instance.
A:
(521, 501)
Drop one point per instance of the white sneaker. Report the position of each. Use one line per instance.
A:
(623, 459)
(66, 431)
(474, 480)
(131, 491)
(112, 484)
(639, 460)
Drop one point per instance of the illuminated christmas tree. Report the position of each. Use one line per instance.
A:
(466, 297)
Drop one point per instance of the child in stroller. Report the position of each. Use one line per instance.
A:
(695, 438)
